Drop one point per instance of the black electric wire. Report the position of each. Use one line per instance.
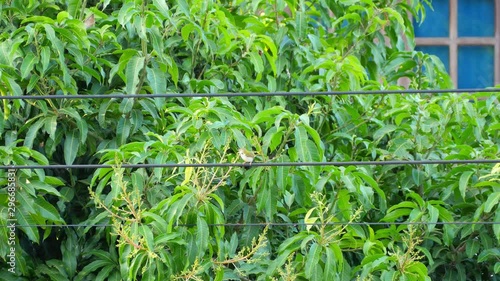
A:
(284, 224)
(349, 223)
(265, 164)
(253, 94)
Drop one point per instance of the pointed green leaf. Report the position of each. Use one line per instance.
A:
(28, 62)
(157, 80)
(47, 211)
(44, 188)
(312, 259)
(39, 158)
(162, 6)
(186, 31)
(25, 218)
(464, 182)
(202, 235)
(492, 201)
(50, 126)
(380, 133)
(132, 74)
(32, 133)
(257, 62)
(71, 145)
(433, 216)
(123, 130)
(301, 139)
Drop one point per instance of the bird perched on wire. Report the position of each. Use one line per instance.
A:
(246, 155)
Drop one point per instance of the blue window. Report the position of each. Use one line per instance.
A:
(475, 67)
(429, 28)
(465, 35)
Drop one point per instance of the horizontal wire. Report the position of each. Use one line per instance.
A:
(254, 164)
(279, 224)
(253, 94)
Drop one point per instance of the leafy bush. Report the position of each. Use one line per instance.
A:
(386, 222)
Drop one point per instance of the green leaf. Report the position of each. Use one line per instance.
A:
(46, 188)
(32, 133)
(186, 30)
(173, 70)
(202, 235)
(12, 86)
(418, 269)
(349, 182)
(126, 105)
(271, 196)
(39, 158)
(312, 259)
(257, 62)
(383, 200)
(393, 14)
(80, 123)
(301, 146)
(26, 218)
(73, 8)
(157, 221)
(399, 148)
(492, 201)
(50, 126)
(301, 24)
(404, 204)
(183, 7)
(433, 217)
(93, 266)
(380, 133)
(331, 261)
(472, 247)
(219, 274)
(149, 107)
(396, 214)
(83, 129)
(71, 146)
(91, 72)
(53, 181)
(489, 254)
(132, 74)
(157, 80)
(28, 62)
(58, 47)
(103, 109)
(418, 176)
(108, 273)
(148, 236)
(162, 6)
(47, 211)
(127, 11)
(136, 265)
(267, 115)
(282, 174)
(179, 202)
(496, 227)
(123, 130)
(316, 138)
(464, 182)
(45, 58)
(39, 19)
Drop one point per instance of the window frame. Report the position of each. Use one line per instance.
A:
(453, 42)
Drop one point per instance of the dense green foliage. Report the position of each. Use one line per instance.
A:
(169, 224)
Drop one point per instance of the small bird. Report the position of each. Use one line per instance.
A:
(246, 155)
